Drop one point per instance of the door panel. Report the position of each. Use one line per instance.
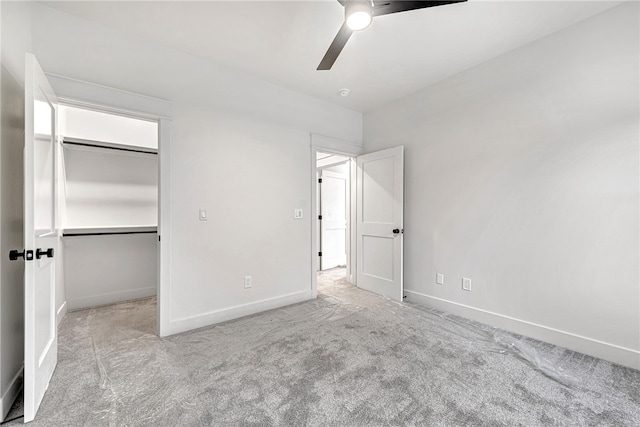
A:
(41, 349)
(377, 184)
(380, 180)
(43, 165)
(377, 257)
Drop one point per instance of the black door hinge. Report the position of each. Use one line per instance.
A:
(320, 217)
(319, 181)
(319, 253)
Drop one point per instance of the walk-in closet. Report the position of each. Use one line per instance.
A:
(108, 204)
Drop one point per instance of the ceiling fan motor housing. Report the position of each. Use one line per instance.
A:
(358, 14)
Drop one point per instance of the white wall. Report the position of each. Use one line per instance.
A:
(240, 148)
(109, 188)
(250, 203)
(82, 123)
(522, 174)
(15, 41)
(106, 269)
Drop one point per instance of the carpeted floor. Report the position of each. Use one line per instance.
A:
(346, 358)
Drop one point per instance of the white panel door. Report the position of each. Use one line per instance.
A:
(40, 236)
(334, 220)
(380, 191)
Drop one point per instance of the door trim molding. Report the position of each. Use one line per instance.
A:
(336, 146)
(96, 97)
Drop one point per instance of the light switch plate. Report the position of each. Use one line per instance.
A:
(466, 284)
(202, 214)
(440, 279)
(297, 213)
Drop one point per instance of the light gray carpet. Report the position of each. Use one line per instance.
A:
(347, 358)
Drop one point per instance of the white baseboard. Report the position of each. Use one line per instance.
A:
(112, 298)
(223, 315)
(611, 352)
(10, 396)
(61, 312)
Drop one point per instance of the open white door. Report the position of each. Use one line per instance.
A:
(380, 191)
(40, 236)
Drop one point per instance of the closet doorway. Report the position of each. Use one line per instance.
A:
(108, 205)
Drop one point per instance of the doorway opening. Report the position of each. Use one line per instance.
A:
(108, 204)
(333, 224)
(374, 248)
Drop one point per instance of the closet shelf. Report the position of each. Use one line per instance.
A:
(77, 142)
(102, 231)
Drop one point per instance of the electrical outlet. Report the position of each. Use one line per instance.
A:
(248, 282)
(202, 214)
(440, 279)
(466, 284)
(297, 213)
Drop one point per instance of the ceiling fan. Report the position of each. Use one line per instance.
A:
(358, 15)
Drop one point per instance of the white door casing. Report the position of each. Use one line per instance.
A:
(40, 235)
(334, 219)
(380, 198)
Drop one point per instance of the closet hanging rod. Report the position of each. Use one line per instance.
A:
(108, 145)
(107, 233)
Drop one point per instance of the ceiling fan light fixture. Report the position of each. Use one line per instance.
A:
(358, 16)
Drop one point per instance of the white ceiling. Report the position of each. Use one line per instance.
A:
(283, 41)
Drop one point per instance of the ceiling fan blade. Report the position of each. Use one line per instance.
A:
(392, 6)
(336, 47)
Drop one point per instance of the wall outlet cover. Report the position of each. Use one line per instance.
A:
(440, 279)
(297, 213)
(466, 284)
(248, 282)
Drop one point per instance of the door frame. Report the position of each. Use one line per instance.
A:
(95, 97)
(328, 145)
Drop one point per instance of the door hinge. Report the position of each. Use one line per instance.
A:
(319, 253)
(320, 217)
(319, 181)
(158, 238)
